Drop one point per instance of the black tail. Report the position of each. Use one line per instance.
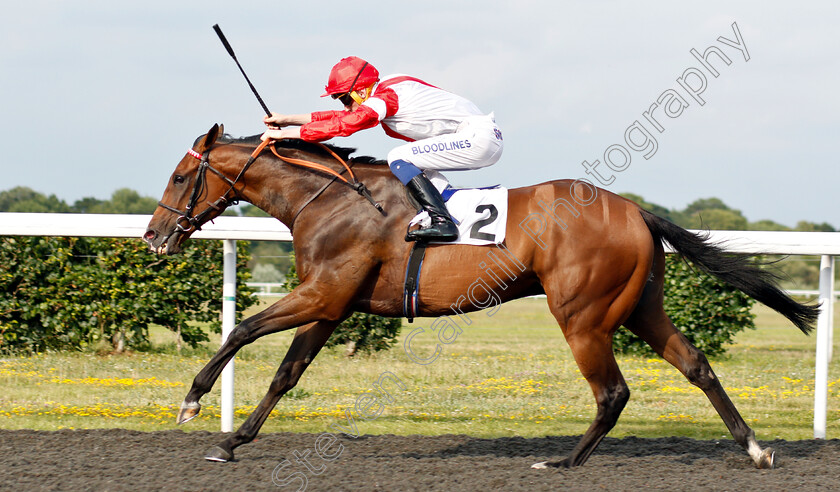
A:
(738, 271)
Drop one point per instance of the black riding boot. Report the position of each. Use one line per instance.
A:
(442, 227)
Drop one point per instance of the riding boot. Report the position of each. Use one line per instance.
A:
(442, 229)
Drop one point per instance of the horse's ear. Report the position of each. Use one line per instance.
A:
(210, 138)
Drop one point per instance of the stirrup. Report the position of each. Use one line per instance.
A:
(442, 230)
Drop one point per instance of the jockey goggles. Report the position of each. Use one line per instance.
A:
(346, 98)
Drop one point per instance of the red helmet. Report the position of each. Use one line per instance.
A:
(350, 74)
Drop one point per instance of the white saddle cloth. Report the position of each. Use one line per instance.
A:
(481, 215)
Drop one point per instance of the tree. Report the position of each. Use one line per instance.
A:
(15, 195)
(703, 204)
(87, 205)
(124, 201)
(767, 225)
(672, 215)
(712, 213)
(719, 219)
(806, 226)
(25, 200)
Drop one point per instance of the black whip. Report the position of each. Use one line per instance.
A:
(233, 55)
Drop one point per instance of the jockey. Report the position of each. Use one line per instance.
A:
(444, 131)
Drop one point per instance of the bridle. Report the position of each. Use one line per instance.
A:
(194, 222)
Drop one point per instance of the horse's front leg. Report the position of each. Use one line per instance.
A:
(304, 305)
(305, 346)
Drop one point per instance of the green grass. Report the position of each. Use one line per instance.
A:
(507, 374)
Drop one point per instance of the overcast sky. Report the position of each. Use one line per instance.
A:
(100, 95)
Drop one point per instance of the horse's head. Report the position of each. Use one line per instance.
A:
(191, 198)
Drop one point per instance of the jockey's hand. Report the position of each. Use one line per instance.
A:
(277, 134)
(276, 120)
(273, 134)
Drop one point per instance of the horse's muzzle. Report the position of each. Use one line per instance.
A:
(166, 245)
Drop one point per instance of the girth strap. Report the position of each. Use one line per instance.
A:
(412, 280)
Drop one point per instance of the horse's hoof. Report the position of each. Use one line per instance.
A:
(767, 459)
(188, 412)
(218, 454)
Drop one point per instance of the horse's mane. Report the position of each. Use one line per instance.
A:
(302, 145)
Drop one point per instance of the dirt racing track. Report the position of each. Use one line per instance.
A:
(173, 460)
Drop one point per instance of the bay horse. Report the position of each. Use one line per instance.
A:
(596, 256)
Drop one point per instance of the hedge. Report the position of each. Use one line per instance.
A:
(62, 293)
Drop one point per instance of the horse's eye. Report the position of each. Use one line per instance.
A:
(178, 179)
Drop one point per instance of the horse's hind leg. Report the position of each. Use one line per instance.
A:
(652, 325)
(594, 356)
(308, 341)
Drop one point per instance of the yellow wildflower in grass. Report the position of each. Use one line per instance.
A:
(152, 381)
(152, 411)
(642, 377)
(794, 388)
(833, 386)
(302, 413)
(505, 385)
(19, 369)
(677, 417)
(166, 413)
(678, 389)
